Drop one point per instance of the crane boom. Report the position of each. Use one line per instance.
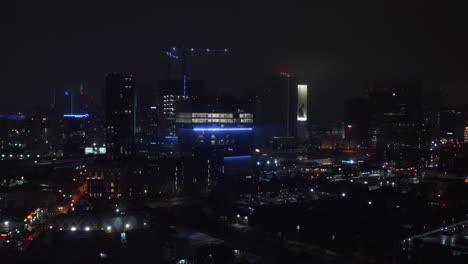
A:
(182, 54)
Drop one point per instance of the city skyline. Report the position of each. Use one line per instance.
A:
(225, 133)
(336, 51)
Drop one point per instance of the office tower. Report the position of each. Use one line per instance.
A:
(170, 93)
(397, 121)
(120, 113)
(276, 111)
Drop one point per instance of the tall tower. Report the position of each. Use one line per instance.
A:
(276, 110)
(302, 117)
(120, 105)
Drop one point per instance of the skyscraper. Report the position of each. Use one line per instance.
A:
(397, 116)
(276, 110)
(120, 105)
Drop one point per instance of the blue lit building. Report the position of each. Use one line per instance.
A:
(215, 127)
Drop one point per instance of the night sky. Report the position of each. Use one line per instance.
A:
(335, 46)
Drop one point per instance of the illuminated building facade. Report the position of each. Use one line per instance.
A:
(215, 126)
(171, 93)
(465, 135)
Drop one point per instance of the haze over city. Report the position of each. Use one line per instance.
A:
(191, 132)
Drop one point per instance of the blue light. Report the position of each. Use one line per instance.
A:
(237, 157)
(192, 49)
(223, 129)
(171, 137)
(171, 55)
(225, 50)
(77, 116)
(12, 116)
(207, 49)
(174, 49)
(67, 93)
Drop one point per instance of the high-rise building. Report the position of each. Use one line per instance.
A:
(170, 93)
(397, 120)
(120, 105)
(450, 124)
(276, 111)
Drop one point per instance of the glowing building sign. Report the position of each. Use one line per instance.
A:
(302, 102)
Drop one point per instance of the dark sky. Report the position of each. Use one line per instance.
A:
(335, 46)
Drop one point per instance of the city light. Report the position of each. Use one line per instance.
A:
(73, 229)
(223, 129)
(87, 228)
(237, 157)
(77, 116)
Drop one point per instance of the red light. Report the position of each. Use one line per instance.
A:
(91, 97)
(30, 238)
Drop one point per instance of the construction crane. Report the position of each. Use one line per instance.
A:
(182, 54)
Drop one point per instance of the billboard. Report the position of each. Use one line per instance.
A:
(302, 102)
